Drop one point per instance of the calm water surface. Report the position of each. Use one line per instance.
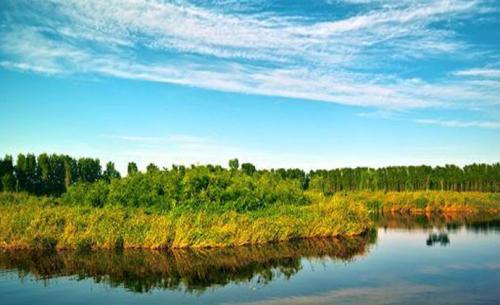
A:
(408, 260)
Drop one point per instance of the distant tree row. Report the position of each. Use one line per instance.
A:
(50, 174)
(56, 174)
(475, 177)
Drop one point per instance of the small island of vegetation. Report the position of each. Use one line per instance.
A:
(58, 202)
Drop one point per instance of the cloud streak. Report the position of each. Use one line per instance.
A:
(488, 73)
(388, 294)
(461, 124)
(351, 59)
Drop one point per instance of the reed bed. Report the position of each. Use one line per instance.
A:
(45, 224)
(30, 222)
(425, 201)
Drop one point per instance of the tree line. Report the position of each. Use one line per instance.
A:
(50, 174)
(54, 175)
(474, 177)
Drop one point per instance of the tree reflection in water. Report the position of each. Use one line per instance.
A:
(194, 271)
(190, 270)
(437, 238)
(478, 223)
(445, 223)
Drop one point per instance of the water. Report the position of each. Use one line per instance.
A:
(407, 260)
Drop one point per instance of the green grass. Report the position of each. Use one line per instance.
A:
(425, 202)
(28, 222)
(41, 222)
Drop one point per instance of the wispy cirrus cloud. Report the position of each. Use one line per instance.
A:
(354, 59)
(387, 294)
(461, 124)
(488, 73)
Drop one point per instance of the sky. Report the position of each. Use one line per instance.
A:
(304, 83)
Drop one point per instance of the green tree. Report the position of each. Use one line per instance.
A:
(70, 171)
(30, 170)
(248, 169)
(8, 181)
(20, 172)
(56, 174)
(234, 164)
(110, 172)
(89, 170)
(152, 168)
(132, 168)
(43, 173)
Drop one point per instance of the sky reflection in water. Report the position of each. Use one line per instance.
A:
(409, 260)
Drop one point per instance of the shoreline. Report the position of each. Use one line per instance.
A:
(339, 237)
(76, 227)
(28, 222)
(326, 238)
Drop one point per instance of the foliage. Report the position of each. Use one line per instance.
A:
(199, 187)
(422, 201)
(132, 168)
(475, 177)
(31, 221)
(110, 172)
(238, 186)
(47, 174)
(234, 164)
(45, 222)
(79, 206)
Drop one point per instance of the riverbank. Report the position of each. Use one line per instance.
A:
(421, 202)
(29, 222)
(43, 224)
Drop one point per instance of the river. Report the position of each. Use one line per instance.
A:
(406, 260)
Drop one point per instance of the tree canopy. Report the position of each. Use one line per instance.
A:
(243, 187)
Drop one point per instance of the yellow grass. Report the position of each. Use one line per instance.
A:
(45, 225)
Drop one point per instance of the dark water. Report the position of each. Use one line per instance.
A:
(408, 260)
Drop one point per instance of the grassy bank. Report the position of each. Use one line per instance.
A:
(28, 222)
(425, 202)
(43, 222)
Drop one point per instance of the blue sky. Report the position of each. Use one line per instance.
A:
(310, 84)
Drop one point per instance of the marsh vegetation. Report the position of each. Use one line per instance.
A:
(55, 201)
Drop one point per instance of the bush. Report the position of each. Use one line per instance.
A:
(199, 188)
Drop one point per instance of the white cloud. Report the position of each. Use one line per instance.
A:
(378, 114)
(492, 73)
(269, 54)
(461, 124)
(385, 294)
(29, 67)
